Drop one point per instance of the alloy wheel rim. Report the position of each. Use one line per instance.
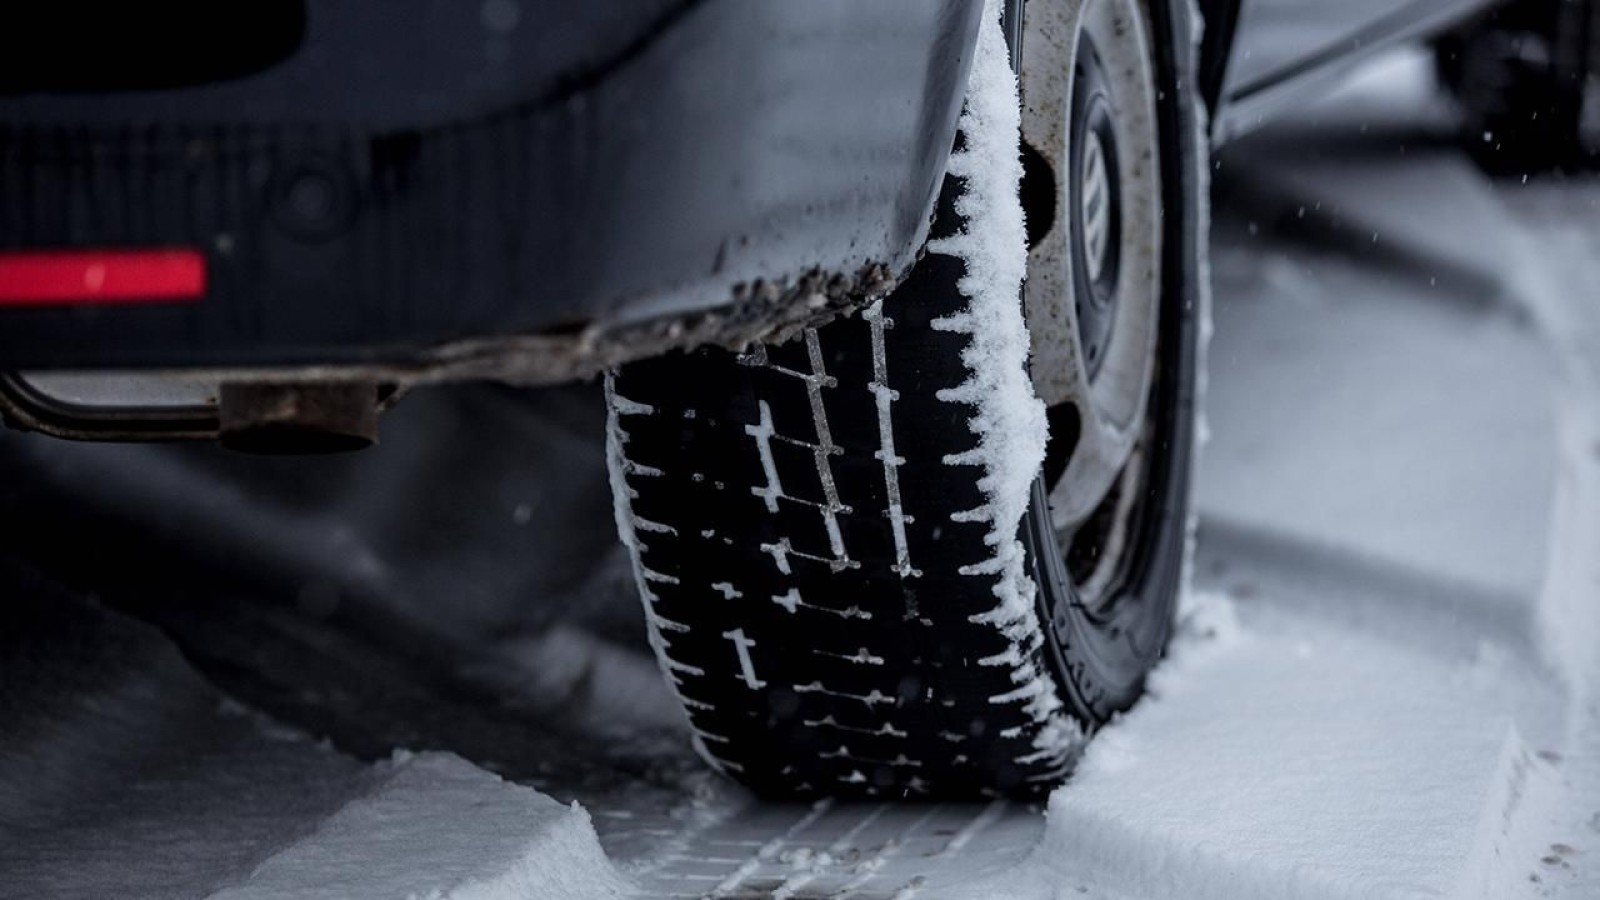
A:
(1107, 264)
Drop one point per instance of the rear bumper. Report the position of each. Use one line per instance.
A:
(348, 217)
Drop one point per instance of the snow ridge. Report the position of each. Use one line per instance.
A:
(478, 838)
(1009, 419)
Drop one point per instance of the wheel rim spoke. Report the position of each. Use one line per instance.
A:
(1097, 462)
(1108, 384)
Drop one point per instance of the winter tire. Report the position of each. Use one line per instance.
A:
(856, 578)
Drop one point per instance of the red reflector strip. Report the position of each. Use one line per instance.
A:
(100, 277)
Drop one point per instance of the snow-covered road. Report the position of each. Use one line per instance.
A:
(1383, 686)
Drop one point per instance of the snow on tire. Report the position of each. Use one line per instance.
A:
(829, 533)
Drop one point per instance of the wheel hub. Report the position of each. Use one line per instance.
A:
(1097, 214)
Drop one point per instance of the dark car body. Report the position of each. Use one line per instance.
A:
(529, 190)
(417, 174)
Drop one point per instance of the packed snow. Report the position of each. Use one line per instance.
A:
(436, 826)
(123, 774)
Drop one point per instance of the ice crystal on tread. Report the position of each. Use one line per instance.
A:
(1007, 417)
(619, 467)
(789, 601)
(883, 397)
(762, 433)
(644, 524)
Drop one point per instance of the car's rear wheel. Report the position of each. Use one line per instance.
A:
(864, 571)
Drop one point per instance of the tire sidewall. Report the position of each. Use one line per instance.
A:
(1102, 661)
